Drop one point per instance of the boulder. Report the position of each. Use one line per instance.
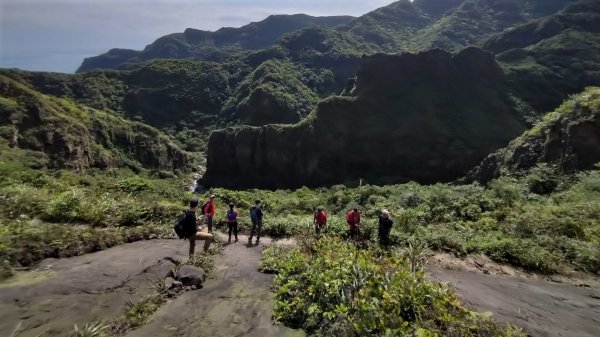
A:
(191, 276)
(163, 269)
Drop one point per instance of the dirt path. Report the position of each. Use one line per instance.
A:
(542, 308)
(236, 302)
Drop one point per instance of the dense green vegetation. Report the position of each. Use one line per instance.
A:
(549, 58)
(509, 220)
(69, 135)
(274, 93)
(330, 288)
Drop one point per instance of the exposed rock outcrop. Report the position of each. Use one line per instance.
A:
(568, 138)
(427, 117)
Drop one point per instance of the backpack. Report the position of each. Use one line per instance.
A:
(231, 216)
(184, 228)
(253, 215)
(204, 207)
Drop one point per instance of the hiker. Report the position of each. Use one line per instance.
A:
(232, 223)
(385, 227)
(190, 229)
(353, 219)
(256, 216)
(209, 210)
(319, 219)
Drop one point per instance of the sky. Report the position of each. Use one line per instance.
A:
(56, 35)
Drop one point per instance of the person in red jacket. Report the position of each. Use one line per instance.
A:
(320, 219)
(353, 220)
(209, 210)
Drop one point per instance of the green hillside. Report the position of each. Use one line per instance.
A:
(550, 58)
(566, 141)
(60, 133)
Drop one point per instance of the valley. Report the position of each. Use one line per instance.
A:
(475, 124)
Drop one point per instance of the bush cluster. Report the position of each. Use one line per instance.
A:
(510, 220)
(336, 289)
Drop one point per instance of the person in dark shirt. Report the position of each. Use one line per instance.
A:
(256, 216)
(232, 223)
(385, 227)
(194, 232)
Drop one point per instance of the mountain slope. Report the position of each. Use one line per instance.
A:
(273, 93)
(67, 135)
(205, 45)
(427, 117)
(568, 138)
(551, 58)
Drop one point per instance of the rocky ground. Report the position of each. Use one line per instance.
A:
(237, 300)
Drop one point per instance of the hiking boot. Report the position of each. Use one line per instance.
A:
(249, 241)
(229, 241)
(236, 240)
(257, 242)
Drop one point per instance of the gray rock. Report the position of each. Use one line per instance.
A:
(177, 285)
(191, 276)
(169, 282)
(165, 268)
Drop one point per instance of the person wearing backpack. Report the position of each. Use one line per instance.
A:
(385, 227)
(319, 219)
(353, 219)
(187, 228)
(209, 210)
(256, 216)
(232, 224)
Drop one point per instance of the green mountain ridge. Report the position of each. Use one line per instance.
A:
(426, 117)
(550, 58)
(60, 133)
(212, 46)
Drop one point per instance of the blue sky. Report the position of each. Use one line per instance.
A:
(55, 35)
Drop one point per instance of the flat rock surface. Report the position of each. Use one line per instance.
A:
(82, 289)
(544, 309)
(237, 301)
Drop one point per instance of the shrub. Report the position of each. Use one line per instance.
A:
(339, 290)
(542, 179)
(66, 206)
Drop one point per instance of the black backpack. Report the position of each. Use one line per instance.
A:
(184, 226)
(204, 207)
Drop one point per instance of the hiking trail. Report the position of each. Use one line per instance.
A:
(237, 300)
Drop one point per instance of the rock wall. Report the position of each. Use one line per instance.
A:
(427, 117)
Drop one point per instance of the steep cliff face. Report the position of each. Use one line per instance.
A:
(568, 138)
(77, 137)
(426, 117)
